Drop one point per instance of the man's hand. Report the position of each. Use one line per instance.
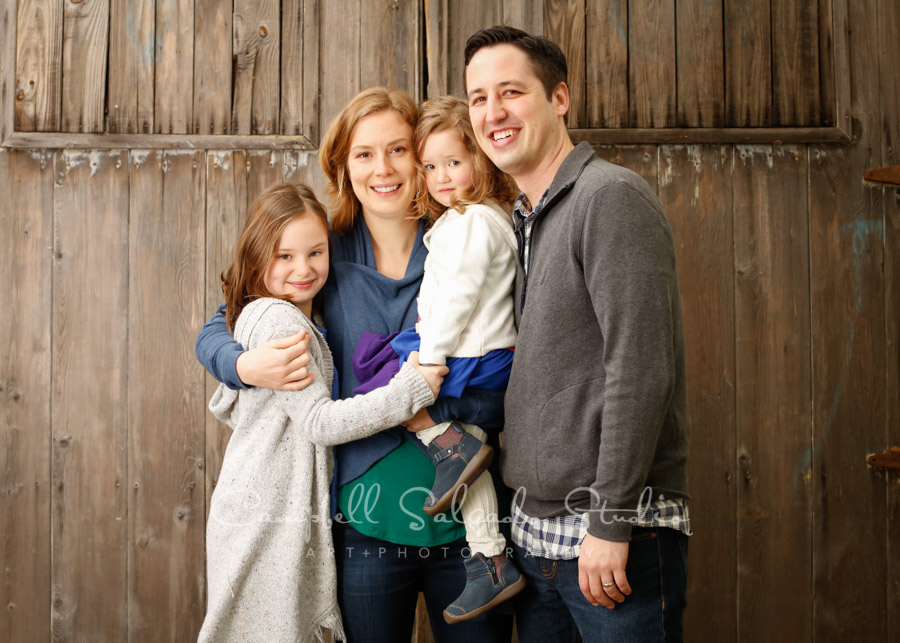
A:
(419, 421)
(601, 571)
(278, 364)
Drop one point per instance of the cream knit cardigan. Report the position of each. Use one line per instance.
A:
(270, 557)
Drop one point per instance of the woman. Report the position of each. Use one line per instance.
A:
(387, 548)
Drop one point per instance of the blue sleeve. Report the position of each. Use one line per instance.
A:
(217, 351)
(481, 407)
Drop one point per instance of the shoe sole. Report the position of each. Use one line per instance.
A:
(476, 466)
(505, 595)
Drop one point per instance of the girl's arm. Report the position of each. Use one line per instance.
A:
(278, 364)
(325, 421)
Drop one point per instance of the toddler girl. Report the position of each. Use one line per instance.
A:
(270, 559)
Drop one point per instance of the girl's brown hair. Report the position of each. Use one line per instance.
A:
(335, 147)
(488, 182)
(269, 214)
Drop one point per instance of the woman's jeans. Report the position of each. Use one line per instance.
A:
(379, 583)
(552, 607)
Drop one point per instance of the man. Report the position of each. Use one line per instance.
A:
(596, 434)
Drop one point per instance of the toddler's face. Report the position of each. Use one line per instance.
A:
(448, 166)
(300, 265)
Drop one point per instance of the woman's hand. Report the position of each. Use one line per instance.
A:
(278, 364)
(434, 375)
(420, 421)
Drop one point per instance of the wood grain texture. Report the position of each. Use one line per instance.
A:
(607, 63)
(748, 63)
(7, 68)
(564, 23)
(85, 33)
(132, 30)
(390, 45)
(695, 190)
(90, 354)
(303, 167)
(849, 352)
(300, 68)
(174, 70)
(26, 241)
(38, 57)
(166, 414)
(651, 63)
(773, 383)
(340, 36)
(697, 135)
(212, 67)
(267, 70)
(796, 97)
(643, 159)
(465, 18)
(701, 75)
(437, 42)
(226, 211)
(527, 15)
(827, 81)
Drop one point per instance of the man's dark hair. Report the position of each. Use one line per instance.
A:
(546, 57)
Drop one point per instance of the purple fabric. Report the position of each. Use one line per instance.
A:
(374, 361)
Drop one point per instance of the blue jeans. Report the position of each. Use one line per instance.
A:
(552, 607)
(379, 583)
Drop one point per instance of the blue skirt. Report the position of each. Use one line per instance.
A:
(378, 358)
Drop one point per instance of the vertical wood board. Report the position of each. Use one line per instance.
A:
(527, 15)
(564, 23)
(38, 55)
(772, 329)
(26, 241)
(89, 397)
(607, 63)
(300, 69)
(695, 190)
(390, 51)
(8, 20)
(166, 413)
(85, 33)
(701, 76)
(132, 32)
(748, 62)
(267, 70)
(174, 70)
(796, 97)
(437, 43)
(651, 63)
(340, 76)
(465, 18)
(212, 67)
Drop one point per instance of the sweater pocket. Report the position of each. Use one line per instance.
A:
(569, 440)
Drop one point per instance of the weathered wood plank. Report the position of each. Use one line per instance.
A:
(86, 28)
(465, 17)
(226, 211)
(437, 43)
(389, 52)
(643, 159)
(651, 63)
(7, 68)
(26, 241)
(132, 29)
(263, 169)
(303, 167)
(773, 379)
(827, 82)
(267, 70)
(795, 64)
(300, 68)
(340, 31)
(564, 23)
(849, 352)
(841, 34)
(701, 76)
(527, 15)
(212, 67)
(24, 140)
(695, 189)
(748, 63)
(174, 83)
(38, 57)
(607, 63)
(166, 412)
(889, 40)
(710, 135)
(89, 499)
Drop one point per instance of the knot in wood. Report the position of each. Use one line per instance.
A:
(263, 32)
(20, 96)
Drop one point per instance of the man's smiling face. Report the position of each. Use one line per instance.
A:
(515, 123)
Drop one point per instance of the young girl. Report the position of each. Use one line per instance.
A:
(270, 558)
(466, 321)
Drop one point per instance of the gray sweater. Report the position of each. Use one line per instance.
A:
(596, 409)
(270, 558)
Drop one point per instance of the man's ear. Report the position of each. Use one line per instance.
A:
(560, 98)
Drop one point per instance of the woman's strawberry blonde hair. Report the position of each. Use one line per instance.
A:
(269, 214)
(335, 148)
(488, 183)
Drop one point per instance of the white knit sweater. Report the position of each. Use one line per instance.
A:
(270, 558)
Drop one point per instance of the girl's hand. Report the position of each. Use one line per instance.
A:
(278, 364)
(434, 375)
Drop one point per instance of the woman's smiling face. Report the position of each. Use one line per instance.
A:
(381, 165)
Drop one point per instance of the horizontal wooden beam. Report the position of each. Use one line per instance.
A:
(710, 135)
(886, 175)
(61, 140)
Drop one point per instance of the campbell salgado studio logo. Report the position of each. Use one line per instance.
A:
(643, 513)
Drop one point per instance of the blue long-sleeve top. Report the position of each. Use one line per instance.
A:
(357, 298)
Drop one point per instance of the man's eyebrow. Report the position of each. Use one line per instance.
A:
(502, 84)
